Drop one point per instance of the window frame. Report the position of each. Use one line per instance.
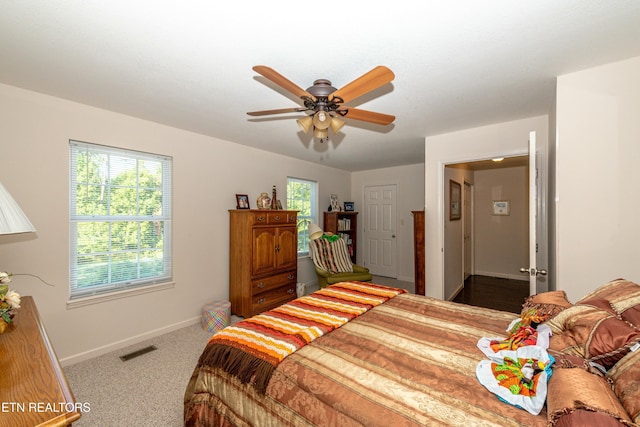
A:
(304, 220)
(111, 288)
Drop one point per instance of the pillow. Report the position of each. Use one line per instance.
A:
(591, 333)
(614, 291)
(577, 398)
(621, 296)
(546, 304)
(626, 383)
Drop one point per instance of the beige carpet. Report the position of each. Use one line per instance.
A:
(144, 391)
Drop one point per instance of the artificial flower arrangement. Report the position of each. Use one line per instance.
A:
(9, 300)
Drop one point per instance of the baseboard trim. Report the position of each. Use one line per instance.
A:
(99, 351)
(502, 275)
(406, 279)
(456, 292)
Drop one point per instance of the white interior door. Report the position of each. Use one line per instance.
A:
(534, 270)
(380, 230)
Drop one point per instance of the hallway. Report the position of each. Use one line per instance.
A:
(494, 292)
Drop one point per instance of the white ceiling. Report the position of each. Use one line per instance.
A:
(187, 64)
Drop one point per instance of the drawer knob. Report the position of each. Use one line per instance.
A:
(261, 285)
(261, 301)
(290, 291)
(277, 217)
(260, 218)
(290, 276)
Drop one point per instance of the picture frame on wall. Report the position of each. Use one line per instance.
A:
(455, 193)
(242, 201)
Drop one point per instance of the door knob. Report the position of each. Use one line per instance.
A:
(533, 271)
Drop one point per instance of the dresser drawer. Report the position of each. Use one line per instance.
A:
(267, 283)
(274, 217)
(281, 217)
(273, 298)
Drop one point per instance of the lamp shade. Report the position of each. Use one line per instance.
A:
(12, 219)
(315, 231)
(322, 120)
(305, 123)
(336, 124)
(320, 134)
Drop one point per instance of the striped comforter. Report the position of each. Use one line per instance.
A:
(253, 348)
(410, 361)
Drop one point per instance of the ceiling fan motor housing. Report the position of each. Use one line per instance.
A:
(321, 88)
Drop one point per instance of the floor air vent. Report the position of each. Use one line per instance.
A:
(137, 353)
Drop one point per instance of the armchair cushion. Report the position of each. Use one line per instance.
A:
(330, 256)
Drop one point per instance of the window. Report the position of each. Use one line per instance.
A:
(120, 219)
(302, 197)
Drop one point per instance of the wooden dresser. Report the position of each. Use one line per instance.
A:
(263, 259)
(33, 388)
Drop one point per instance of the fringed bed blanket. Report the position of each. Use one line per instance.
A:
(253, 348)
(410, 361)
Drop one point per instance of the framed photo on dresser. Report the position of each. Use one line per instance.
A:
(242, 201)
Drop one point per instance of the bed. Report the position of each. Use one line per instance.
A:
(408, 361)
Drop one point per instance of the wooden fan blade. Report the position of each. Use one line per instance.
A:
(372, 80)
(280, 111)
(282, 81)
(369, 116)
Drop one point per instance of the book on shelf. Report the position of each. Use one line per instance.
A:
(344, 224)
(346, 237)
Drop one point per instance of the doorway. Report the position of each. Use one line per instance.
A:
(484, 242)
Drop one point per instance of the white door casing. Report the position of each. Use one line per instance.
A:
(536, 272)
(467, 218)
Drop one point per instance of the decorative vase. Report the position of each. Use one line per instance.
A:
(274, 199)
(263, 202)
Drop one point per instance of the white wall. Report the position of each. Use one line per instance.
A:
(207, 174)
(409, 181)
(502, 139)
(502, 242)
(597, 175)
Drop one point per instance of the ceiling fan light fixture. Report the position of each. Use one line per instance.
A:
(336, 124)
(322, 120)
(321, 134)
(305, 124)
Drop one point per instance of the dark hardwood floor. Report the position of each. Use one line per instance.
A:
(494, 292)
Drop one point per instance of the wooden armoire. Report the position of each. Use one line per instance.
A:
(419, 251)
(263, 259)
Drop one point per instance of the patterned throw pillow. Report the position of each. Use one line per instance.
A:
(621, 296)
(546, 304)
(592, 333)
(626, 383)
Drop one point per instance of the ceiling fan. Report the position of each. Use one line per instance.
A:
(324, 104)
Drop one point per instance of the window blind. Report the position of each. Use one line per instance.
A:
(120, 219)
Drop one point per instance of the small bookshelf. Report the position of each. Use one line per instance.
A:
(344, 224)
